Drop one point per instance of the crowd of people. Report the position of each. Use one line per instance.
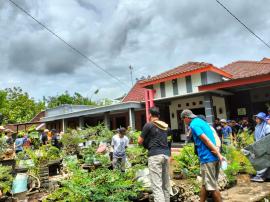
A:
(22, 141)
(208, 141)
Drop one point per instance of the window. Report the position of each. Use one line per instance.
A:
(162, 89)
(175, 87)
(188, 84)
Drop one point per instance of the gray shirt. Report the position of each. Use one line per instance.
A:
(119, 145)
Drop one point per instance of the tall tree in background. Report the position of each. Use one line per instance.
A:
(16, 106)
(66, 98)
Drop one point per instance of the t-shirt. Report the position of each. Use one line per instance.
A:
(19, 144)
(226, 131)
(119, 145)
(55, 141)
(199, 127)
(44, 138)
(155, 140)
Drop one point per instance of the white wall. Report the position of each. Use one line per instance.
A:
(196, 81)
(182, 88)
(213, 77)
(219, 103)
(169, 88)
(174, 107)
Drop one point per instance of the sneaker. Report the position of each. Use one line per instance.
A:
(257, 179)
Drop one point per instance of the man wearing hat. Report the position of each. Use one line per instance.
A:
(209, 155)
(262, 129)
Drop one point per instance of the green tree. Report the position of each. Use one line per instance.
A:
(17, 107)
(66, 98)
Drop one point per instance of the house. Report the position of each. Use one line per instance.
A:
(238, 90)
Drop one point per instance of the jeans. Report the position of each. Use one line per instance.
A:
(159, 174)
(119, 163)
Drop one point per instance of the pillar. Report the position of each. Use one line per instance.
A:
(81, 123)
(64, 125)
(209, 111)
(107, 119)
(132, 119)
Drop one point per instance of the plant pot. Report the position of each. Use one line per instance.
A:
(178, 175)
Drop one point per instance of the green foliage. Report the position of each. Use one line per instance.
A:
(137, 155)
(90, 156)
(16, 105)
(100, 185)
(70, 142)
(6, 179)
(39, 157)
(3, 145)
(237, 163)
(134, 136)
(66, 98)
(34, 138)
(244, 139)
(188, 162)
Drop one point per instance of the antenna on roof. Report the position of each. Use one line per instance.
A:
(131, 74)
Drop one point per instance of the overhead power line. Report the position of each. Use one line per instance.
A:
(67, 44)
(253, 33)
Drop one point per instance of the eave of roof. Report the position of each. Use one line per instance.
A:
(210, 67)
(96, 110)
(236, 82)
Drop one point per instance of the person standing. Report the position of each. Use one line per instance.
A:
(44, 137)
(154, 139)
(218, 128)
(18, 144)
(208, 153)
(119, 143)
(262, 129)
(55, 139)
(227, 138)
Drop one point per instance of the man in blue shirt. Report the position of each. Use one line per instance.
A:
(226, 132)
(209, 156)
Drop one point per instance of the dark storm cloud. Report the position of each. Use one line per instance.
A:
(150, 35)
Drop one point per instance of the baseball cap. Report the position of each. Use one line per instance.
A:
(187, 113)
(223, 121)
(261, 115)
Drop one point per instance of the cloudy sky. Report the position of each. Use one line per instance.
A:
(151, 35)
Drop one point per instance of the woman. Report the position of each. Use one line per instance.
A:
(262, 129)
(18, 145)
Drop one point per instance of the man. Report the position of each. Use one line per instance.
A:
(218, 128)
(236, 128)
(208, 153)
(119, 143)
(55, 138)
(44, 137)
(262, 129)
(154, 139)
(227, 138)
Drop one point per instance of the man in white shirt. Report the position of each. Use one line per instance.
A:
(119, 143)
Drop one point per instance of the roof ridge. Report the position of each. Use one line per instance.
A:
(244, 61)
(180, 66)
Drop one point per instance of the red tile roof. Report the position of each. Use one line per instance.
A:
(135, 94)
(184, 70)
(235, 70)
(243, 69)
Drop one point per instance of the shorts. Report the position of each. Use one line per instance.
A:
(210, 172)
